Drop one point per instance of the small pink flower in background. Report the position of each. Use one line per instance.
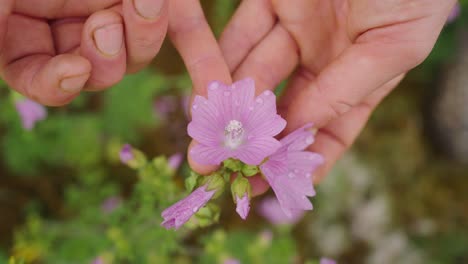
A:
(30, 112)
(126, 154)
(110, 204)
(179, 213)
(243, 206)
(454, 14)
(271, 210)
(164, 105)
(231, 261)
(289, 171)
(232, 123)
(327, 261)
(175, 160)
(97, 260)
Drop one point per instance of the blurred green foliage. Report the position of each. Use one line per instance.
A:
(76, 150)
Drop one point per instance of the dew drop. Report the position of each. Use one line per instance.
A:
(309, 140)
(291, 175)
(311, 156)
(251, 108)
(194, 107)
(296, 171)
(267, 93)
(308, 175)
(259, 100)
(195, 209)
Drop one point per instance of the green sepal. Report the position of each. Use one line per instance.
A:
(214, 181)
(239, 187)
(250, 170)
(192, 181)
(233, 165)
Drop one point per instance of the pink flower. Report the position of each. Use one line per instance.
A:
(110, 204)
(271, 210)
(165, 105)
(179, 213)
(30, 112)
(231, 123)
(175, 160)
(231, 261)
(126, 154)
(97, 260)
(454, 14)
(327, 261)
(243, 206)
(289, 171)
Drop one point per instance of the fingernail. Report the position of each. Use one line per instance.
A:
(148, 9)
(74, 84)
(109, 39)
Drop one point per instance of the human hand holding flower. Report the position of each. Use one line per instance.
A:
(345, 56)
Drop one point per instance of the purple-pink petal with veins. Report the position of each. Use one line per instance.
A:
(262, 114)
(179, 213)
(256, 149)
(208, 155)
(206, 127)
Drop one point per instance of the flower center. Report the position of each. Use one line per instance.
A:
(233, 134)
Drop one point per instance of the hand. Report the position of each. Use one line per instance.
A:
(52, 50)
(347, 55)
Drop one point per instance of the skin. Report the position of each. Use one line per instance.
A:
(52, 50)
(342, 57)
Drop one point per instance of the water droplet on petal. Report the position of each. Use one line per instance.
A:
(267, 93)
(195, 209)
(309, 140)
(205, 102)
(308, 175)
(226, 93)
(259, 100)
(251, 108)
(194, 107)
(296, 171)
(311, 156)
(291, 175)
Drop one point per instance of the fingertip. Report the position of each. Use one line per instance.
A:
(199, 168)
(104, 46)
(259, 185)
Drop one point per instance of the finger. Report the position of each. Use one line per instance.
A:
(271, 61)
(250, 24)
(145, 28)
(5, 10)
(335, 138)
(344, 83)
(67, 34)
(197, 45)
(200, 52)
(103, 44)
(61, 8)
(29, 66)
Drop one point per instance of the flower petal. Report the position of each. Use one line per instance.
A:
(209, 155)
(206, 126)
(257, 149)
(262, 114)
